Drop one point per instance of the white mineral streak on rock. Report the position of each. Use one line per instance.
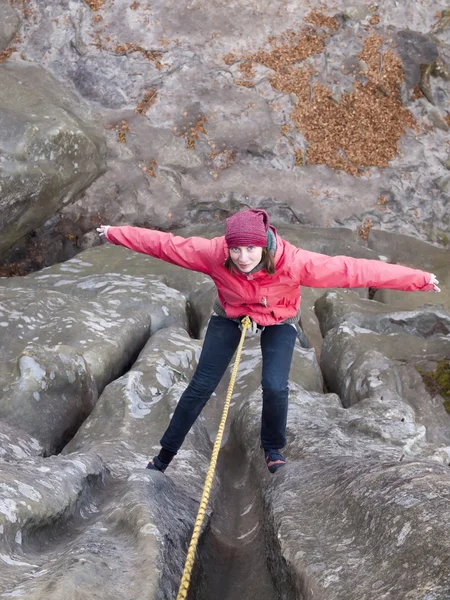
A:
(247, 509)
(164, 376)
(18, 452)
(9, 508)
(15, 563)
(406, 530)
(244, 535)
(135, 391)
(30, 367)
(28, 491)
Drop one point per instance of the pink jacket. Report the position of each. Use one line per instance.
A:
(268, 299)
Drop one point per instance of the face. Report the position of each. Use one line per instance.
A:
(246, 258)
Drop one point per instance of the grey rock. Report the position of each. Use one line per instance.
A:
(342, 306)
(48, 153)
(356, 13)
(439, 121)
(414, 253)
(47, 393)
(16, 444)
(333, 494)
(114, 56)
(358, 364)
(416, 51)
(118, 528)
(9, 24)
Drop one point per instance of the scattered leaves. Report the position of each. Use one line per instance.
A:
(382, 203)
(222, 159)
(289, 49)
(319, 19)
(193, 131)
(95, 4)
(298, 157)
(365, 228)
(360, 129)
(148, 101)
(150, 169)
(122, 129)
(417, 92)
(10, 49)
(129, 48)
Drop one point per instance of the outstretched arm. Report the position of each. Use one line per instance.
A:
(192, 253)
(322, 271)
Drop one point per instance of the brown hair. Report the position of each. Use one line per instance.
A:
(266, 261)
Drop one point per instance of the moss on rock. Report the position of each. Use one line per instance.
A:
(438, 381)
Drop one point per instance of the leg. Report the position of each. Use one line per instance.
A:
(277, 345)
(221, 340)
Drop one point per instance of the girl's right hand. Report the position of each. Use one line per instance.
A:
(434, 281)
(103, 230)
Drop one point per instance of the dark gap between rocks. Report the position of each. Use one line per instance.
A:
(193, 321)
(238, 556)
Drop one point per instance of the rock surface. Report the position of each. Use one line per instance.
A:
(9, 24)
(197, 123)
(103, 341)
(48, 153)
(333, 118)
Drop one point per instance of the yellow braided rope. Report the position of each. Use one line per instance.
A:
(189, 564)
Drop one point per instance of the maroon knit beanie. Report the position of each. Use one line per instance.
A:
(247, 228)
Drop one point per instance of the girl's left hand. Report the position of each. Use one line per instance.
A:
(103, 231)
(434, 281)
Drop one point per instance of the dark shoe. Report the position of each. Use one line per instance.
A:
(157, 465)
(274, 460)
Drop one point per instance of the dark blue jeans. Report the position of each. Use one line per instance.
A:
(221, 340)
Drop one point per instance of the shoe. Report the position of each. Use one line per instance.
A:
(157, 465)
(274, 460)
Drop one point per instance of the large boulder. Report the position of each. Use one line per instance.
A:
(51, 150)
(194, 135)
(115, 323)
(67, 331)
(9, 24)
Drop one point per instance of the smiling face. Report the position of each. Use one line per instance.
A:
(246, 258)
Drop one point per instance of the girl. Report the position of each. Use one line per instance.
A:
(257, 274)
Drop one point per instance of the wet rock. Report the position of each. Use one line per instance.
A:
(416, 51)
(381, 518)
(358, 364)
(414, 253)
(47, 393)
(134, 411)
(342, 469)
(50, 150)
(342, 306)
(9, 24)
(16, 444)
(246, 148)
(120, 527)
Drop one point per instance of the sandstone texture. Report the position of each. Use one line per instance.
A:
(330, 116)
(48, 154)
(9, 24)
(335, 119)
(96, 352)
